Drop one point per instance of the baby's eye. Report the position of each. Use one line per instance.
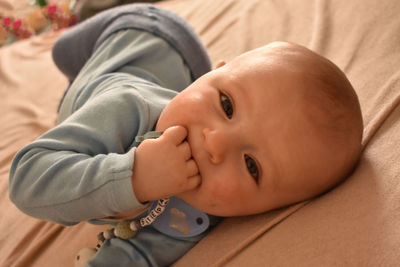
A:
(251, 167)
(226, 105)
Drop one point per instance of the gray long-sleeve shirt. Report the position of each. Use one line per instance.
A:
(81, 169)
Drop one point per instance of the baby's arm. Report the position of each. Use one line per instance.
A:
(164, 166)
(82, 168)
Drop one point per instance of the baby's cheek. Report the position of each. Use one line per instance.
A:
(224, 193)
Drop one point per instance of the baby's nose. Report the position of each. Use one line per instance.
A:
(216, 143)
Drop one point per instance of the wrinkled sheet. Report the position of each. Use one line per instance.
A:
(355, 224)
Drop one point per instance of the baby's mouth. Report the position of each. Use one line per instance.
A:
(194, 156)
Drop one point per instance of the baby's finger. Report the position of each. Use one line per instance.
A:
(185, 150)
(175, 134)
(192, 168)
(193, 182)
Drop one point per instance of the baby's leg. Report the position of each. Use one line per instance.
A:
(75, 46)
(89, 8)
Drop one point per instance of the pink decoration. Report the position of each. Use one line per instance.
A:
(17, 24)
(58, 15)
(6, 21)
(52, 9)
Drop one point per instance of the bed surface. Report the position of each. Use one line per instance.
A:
(355, 224)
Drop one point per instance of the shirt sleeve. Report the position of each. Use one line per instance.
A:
(82, 168)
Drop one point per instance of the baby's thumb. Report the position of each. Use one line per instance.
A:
(175, 134)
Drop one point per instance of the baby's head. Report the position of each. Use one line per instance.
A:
(277, 125)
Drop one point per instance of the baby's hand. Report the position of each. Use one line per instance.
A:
(164, 166)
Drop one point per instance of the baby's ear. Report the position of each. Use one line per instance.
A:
(220, 64)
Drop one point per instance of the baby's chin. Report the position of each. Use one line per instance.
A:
(189, 195)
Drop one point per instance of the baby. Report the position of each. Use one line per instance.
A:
(274, 126)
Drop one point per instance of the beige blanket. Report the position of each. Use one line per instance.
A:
(355, 224)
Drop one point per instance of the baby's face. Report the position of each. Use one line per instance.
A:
(248, 135)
